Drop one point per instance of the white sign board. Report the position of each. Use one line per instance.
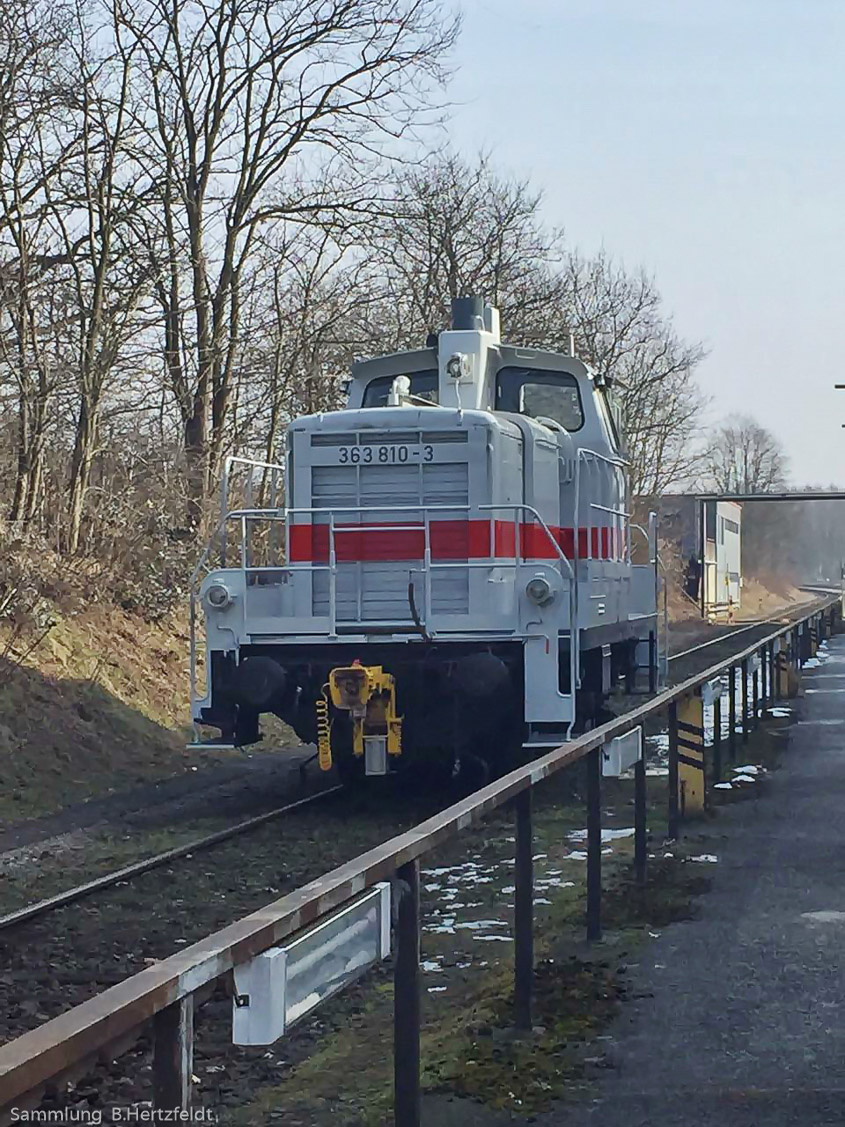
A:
(621, 753)
(711, 691)
(283, 984)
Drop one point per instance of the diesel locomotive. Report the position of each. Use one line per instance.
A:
(442, 573)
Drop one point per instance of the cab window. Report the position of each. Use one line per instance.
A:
(612, 412)
(540, 394)
(423, 385)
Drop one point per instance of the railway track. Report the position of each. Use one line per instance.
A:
(61, 951)
(712, 650)
(682, 665)
(157, 861)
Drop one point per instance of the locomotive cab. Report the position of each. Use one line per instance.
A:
(459, 537)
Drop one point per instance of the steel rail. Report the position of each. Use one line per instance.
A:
(70, 895)
(741, 630)
(721, 638)
(65, 1042)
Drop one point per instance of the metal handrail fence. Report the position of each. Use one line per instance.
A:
(164, 994)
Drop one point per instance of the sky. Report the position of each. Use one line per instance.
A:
(704, 140)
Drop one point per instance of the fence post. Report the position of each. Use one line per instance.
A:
(406, 998)
(524, 911)
(674, 814)
(717, 739)
(755, 697)
(594, 844)
(640, 822)
(173, 1056)
(732, 711)
(771, 675)
(744, 688)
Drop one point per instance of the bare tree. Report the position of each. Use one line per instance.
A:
(620, 328)
(245, 101)
(743, 457)
(455, 228)
(36, 137)
(90, 203)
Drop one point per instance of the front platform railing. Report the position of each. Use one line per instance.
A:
(263, 538)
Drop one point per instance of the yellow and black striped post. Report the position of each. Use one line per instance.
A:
(783, 669)
(692, 783)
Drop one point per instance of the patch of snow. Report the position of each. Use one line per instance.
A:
(779, 711)
(432, 966)
(474, 925)
(541, 900)
(748, 769)
(825, 917)
(606, 835)
(710, 858)
(744, 779)
(493, 938)
(722, 786)
(444, 927)
(437, 989)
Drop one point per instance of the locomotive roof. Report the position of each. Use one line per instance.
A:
(420, 359)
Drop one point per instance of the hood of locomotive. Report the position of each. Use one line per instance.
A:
(400, 520)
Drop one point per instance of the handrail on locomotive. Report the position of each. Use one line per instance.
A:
(283, 515)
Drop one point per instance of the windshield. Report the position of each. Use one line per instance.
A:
(423, 386)
(541, 394)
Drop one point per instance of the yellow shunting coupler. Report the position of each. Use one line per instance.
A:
(368, 694)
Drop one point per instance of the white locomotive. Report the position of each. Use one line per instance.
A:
(451, 578)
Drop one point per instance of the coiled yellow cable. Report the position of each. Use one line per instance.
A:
(324, 733)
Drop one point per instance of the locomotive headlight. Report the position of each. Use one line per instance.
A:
(218, 596)
(457, 366)
(539, 591)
